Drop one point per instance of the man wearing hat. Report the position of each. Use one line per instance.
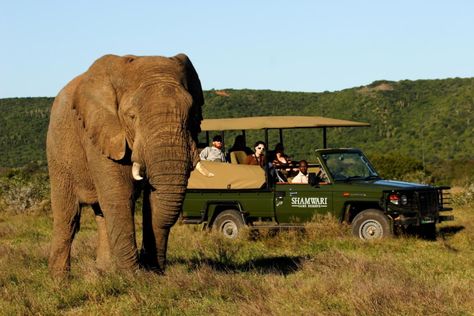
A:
(214, 152)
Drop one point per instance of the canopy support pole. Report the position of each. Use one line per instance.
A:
(325, 143)
(267, 169)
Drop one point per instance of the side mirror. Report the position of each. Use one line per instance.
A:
(313, 179)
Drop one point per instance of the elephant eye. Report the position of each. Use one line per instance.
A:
(131, 116)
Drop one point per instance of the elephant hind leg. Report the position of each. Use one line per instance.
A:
(103, 260)
(66, 220)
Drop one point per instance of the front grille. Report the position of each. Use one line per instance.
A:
(424, 205)
(428, 202)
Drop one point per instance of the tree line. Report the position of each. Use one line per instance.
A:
(427, 122)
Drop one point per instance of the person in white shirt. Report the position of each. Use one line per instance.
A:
(302, 176)
(214, 152)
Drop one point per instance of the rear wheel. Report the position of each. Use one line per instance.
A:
(229, 223)
(372, 224)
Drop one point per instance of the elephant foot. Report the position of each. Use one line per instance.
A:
(60, 275)
(59, 267)
(155, 269)
(151, 263)
(103, 264)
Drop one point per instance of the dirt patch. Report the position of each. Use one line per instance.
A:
(222, 93)
(380, 87)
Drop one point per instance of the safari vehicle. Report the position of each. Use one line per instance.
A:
(342, 182)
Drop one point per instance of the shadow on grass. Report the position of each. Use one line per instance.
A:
(430, 234)
(449, 231)
(282, 265)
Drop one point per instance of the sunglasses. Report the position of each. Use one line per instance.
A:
(260, 148)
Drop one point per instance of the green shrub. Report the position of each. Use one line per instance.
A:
(455, 172)
(24, 189)
(399, 167)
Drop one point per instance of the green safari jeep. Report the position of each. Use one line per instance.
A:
(341, 182)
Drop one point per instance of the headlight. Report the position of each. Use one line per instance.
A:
(404, 200)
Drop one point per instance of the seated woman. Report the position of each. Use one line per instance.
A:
(258, 158)
(282, 160)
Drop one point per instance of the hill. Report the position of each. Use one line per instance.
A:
(426, 120)
(430, 118)
(23, 126)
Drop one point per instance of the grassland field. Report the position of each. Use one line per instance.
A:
(319, 271)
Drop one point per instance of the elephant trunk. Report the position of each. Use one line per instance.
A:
(168, 164)
(168, 179)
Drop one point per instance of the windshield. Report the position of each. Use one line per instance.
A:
(349, 165)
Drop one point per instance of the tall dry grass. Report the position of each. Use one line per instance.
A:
(319, 271)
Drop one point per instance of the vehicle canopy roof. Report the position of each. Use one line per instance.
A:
(275, 122)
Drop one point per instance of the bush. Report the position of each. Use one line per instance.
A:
(400, 167)
(464, 197)
(456, 172)
(25, 189)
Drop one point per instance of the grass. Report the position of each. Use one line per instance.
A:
(320, 271)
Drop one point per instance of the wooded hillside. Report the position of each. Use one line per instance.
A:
(426, 120)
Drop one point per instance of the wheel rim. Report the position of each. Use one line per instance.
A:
(229, 229)
(371, 229)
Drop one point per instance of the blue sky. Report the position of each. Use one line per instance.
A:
(295, 45)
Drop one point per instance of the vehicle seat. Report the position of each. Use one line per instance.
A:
(238, 157)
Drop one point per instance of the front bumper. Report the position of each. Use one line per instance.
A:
(403, 220)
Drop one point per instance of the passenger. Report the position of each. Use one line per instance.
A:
(281, 161)
(214, 152)
(302, 176)
(280, 157)
(258, 158)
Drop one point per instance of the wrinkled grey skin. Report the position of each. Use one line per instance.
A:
(123, 110)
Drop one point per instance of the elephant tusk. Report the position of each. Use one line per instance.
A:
(136, 171)
(203, 171)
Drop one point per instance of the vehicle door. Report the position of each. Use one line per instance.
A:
(299, 203)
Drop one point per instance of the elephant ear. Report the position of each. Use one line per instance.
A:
(96, 104)
(193, 85)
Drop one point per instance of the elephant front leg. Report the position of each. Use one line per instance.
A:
(121, 234)
(160, 213)
(148, 252)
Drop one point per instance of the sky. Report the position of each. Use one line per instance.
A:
(310, 46)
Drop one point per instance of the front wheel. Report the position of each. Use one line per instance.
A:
(229, 223)
(372, 224)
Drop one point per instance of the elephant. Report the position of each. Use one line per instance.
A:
(129, 124)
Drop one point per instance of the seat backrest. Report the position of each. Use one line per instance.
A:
(227, 176)
(238, 157)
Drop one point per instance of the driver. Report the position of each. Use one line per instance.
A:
(302, 176)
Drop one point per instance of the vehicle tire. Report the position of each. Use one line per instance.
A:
(229, 223)
(372, 224)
